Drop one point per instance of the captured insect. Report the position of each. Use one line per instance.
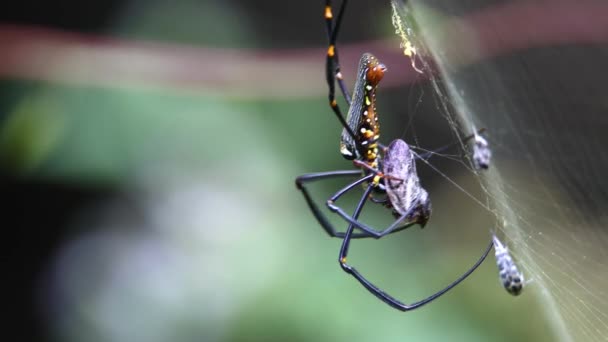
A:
(404, 28)
(510, 276)
(384, 170)
(481, 152)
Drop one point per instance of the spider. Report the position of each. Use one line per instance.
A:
(361, 129)
(390, 170)
(510, 276)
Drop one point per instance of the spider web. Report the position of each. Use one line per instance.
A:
(545, 187)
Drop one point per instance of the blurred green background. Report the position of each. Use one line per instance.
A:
(149, 152)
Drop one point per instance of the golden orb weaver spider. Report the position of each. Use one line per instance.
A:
(390, 170)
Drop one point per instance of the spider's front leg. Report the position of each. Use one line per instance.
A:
(301, 182)
(383, 296)
(394, 227)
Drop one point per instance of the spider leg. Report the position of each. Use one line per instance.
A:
(319, 215)
(365, 165)
(356, 213)
(379, 200)
(332, 65)
(394, 227)
(383, 296)
(332, 36)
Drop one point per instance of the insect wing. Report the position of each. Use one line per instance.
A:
(401, 178)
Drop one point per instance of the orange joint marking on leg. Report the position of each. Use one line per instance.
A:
(333, 103)
(330, 51)
(343, 260)
(328, 14)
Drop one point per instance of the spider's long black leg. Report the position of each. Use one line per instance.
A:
(349, 230)
(352, 220)
(336, 209)
(394, 227)
(322, 219)
(385, 297)
(312, 177)
(332, 37)
(332, 65)
(319, 215)
(429, 154)
(379, 200)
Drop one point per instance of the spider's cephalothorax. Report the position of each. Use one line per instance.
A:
(510, 276)
(402, 185)
(362, 117)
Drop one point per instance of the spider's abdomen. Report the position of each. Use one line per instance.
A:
(509, 275)
(362, 117)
